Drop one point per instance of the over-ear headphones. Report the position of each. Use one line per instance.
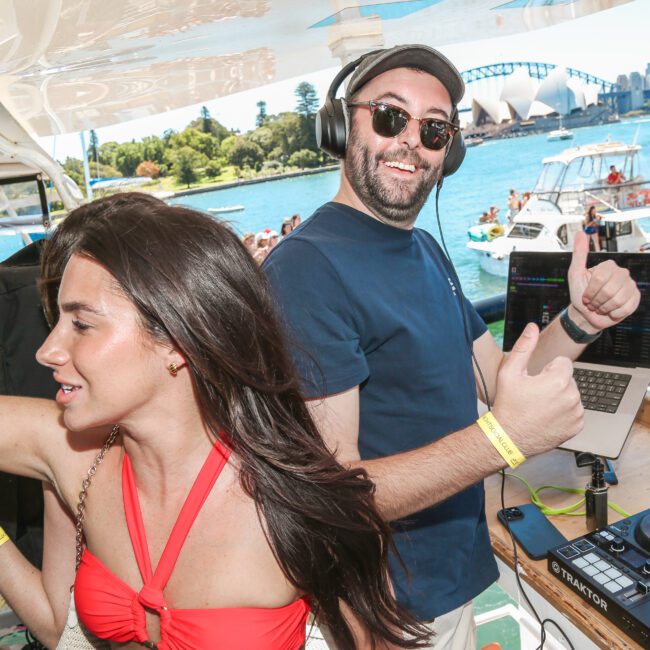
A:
(332, 124)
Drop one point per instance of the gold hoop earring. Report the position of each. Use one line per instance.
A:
(173, 369)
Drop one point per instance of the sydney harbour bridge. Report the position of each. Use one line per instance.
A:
(488, 80)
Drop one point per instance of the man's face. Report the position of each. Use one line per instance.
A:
(395, 193)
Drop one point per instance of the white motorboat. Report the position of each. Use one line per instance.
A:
(568, 185)
(560, 134)
(226, 208)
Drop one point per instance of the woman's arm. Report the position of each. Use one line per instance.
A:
(41, 599)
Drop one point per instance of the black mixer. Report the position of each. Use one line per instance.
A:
(610, 569)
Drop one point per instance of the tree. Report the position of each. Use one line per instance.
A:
(261, 115)
(263, 137)
(107, 153)
(245, 153)
(148, 168)
(205, 119)
(213, 169)
(205, 143)
(307, 99)
(287, 134)
(153, 148)
(304, 158)
(186, 164)
(93, 150)
(128, 156)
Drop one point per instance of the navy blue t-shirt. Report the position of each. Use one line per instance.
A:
(372, 305)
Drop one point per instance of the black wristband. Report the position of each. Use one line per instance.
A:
(574, 332)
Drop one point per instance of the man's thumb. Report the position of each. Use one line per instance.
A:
(580, 252)
(523, 349)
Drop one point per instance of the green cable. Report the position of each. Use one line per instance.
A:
(568, 510)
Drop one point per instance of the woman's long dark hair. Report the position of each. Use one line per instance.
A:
(195, 285)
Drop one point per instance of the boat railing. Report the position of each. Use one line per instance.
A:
(631, 194)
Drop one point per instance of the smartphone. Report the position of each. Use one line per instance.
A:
(532, 530)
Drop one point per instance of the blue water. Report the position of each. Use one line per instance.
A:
(487, 174)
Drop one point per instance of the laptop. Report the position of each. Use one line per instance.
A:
(613, 372)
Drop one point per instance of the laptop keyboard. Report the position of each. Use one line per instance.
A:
(601, 391)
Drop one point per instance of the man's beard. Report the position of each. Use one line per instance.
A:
(393, 202)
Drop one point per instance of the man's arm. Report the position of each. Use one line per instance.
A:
(417, 479)
(601, 296)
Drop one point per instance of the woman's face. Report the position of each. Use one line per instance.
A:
(109, 368)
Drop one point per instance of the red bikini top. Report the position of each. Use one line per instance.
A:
(112, 610)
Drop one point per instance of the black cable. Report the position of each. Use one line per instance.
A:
(470, 345)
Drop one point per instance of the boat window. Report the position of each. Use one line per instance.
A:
(20, 201)
(561, 233)
(526, 230)
(623, 228)
(550, 177)
(580, 172)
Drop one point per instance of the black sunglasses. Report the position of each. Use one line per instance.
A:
(389, 121)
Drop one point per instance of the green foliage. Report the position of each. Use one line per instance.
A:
(74, 168)
(263, 136)
(204, 143)
(305, 158)
(107, 152)
(286, 134)
(245, 153)
(186, 164)
(261, 115)
(128, 156)
(307, 99)
(154, 148)
(93, 147)
(213, 169)
(207, 124)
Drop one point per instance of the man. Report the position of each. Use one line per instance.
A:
(383, 340)
(615, 177)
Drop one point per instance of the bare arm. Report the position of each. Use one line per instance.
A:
(30, 437)
(413, 480)
(40, 599)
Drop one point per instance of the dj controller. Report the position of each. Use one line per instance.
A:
(610, 569)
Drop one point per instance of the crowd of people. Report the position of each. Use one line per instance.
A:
(296, 415)
(262, 243)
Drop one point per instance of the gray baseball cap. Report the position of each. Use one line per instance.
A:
(420, 57)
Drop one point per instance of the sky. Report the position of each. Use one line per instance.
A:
(606, 44)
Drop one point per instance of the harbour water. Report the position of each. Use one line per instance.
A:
(484, 179)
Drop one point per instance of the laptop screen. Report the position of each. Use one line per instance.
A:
(538, 290)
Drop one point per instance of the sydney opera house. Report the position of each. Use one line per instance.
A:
(529, 104)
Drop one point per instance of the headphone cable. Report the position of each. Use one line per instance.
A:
(469, 340)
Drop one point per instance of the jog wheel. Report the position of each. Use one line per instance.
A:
(642, 533)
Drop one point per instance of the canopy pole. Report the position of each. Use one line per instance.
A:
(84, 154)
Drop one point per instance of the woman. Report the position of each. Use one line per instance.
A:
(591, 226)
(285, 228)
(165, 337)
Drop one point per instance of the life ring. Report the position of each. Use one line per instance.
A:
(496, 231)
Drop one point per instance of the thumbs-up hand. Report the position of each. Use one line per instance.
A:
(542, 411)
(604, 294)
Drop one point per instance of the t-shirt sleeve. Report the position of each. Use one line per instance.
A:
(318, 319)
(475, 323)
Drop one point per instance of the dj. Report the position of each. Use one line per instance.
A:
(383, 344)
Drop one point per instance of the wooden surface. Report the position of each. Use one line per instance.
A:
(632, 494)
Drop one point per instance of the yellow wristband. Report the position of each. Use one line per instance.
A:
(3, 536)
(501, 440)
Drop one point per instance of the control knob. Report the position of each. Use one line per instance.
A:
(617, 546)
(642, 533)
(646, 567)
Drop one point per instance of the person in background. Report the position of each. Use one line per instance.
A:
(615, 177)
(514, 205)
(159, 359)
(261, 246)
(591, 226)
(273, 239)
(296, 220)
(493, 214)
(385, 339)
(248, 239)
(285, 228)
(524, 199)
